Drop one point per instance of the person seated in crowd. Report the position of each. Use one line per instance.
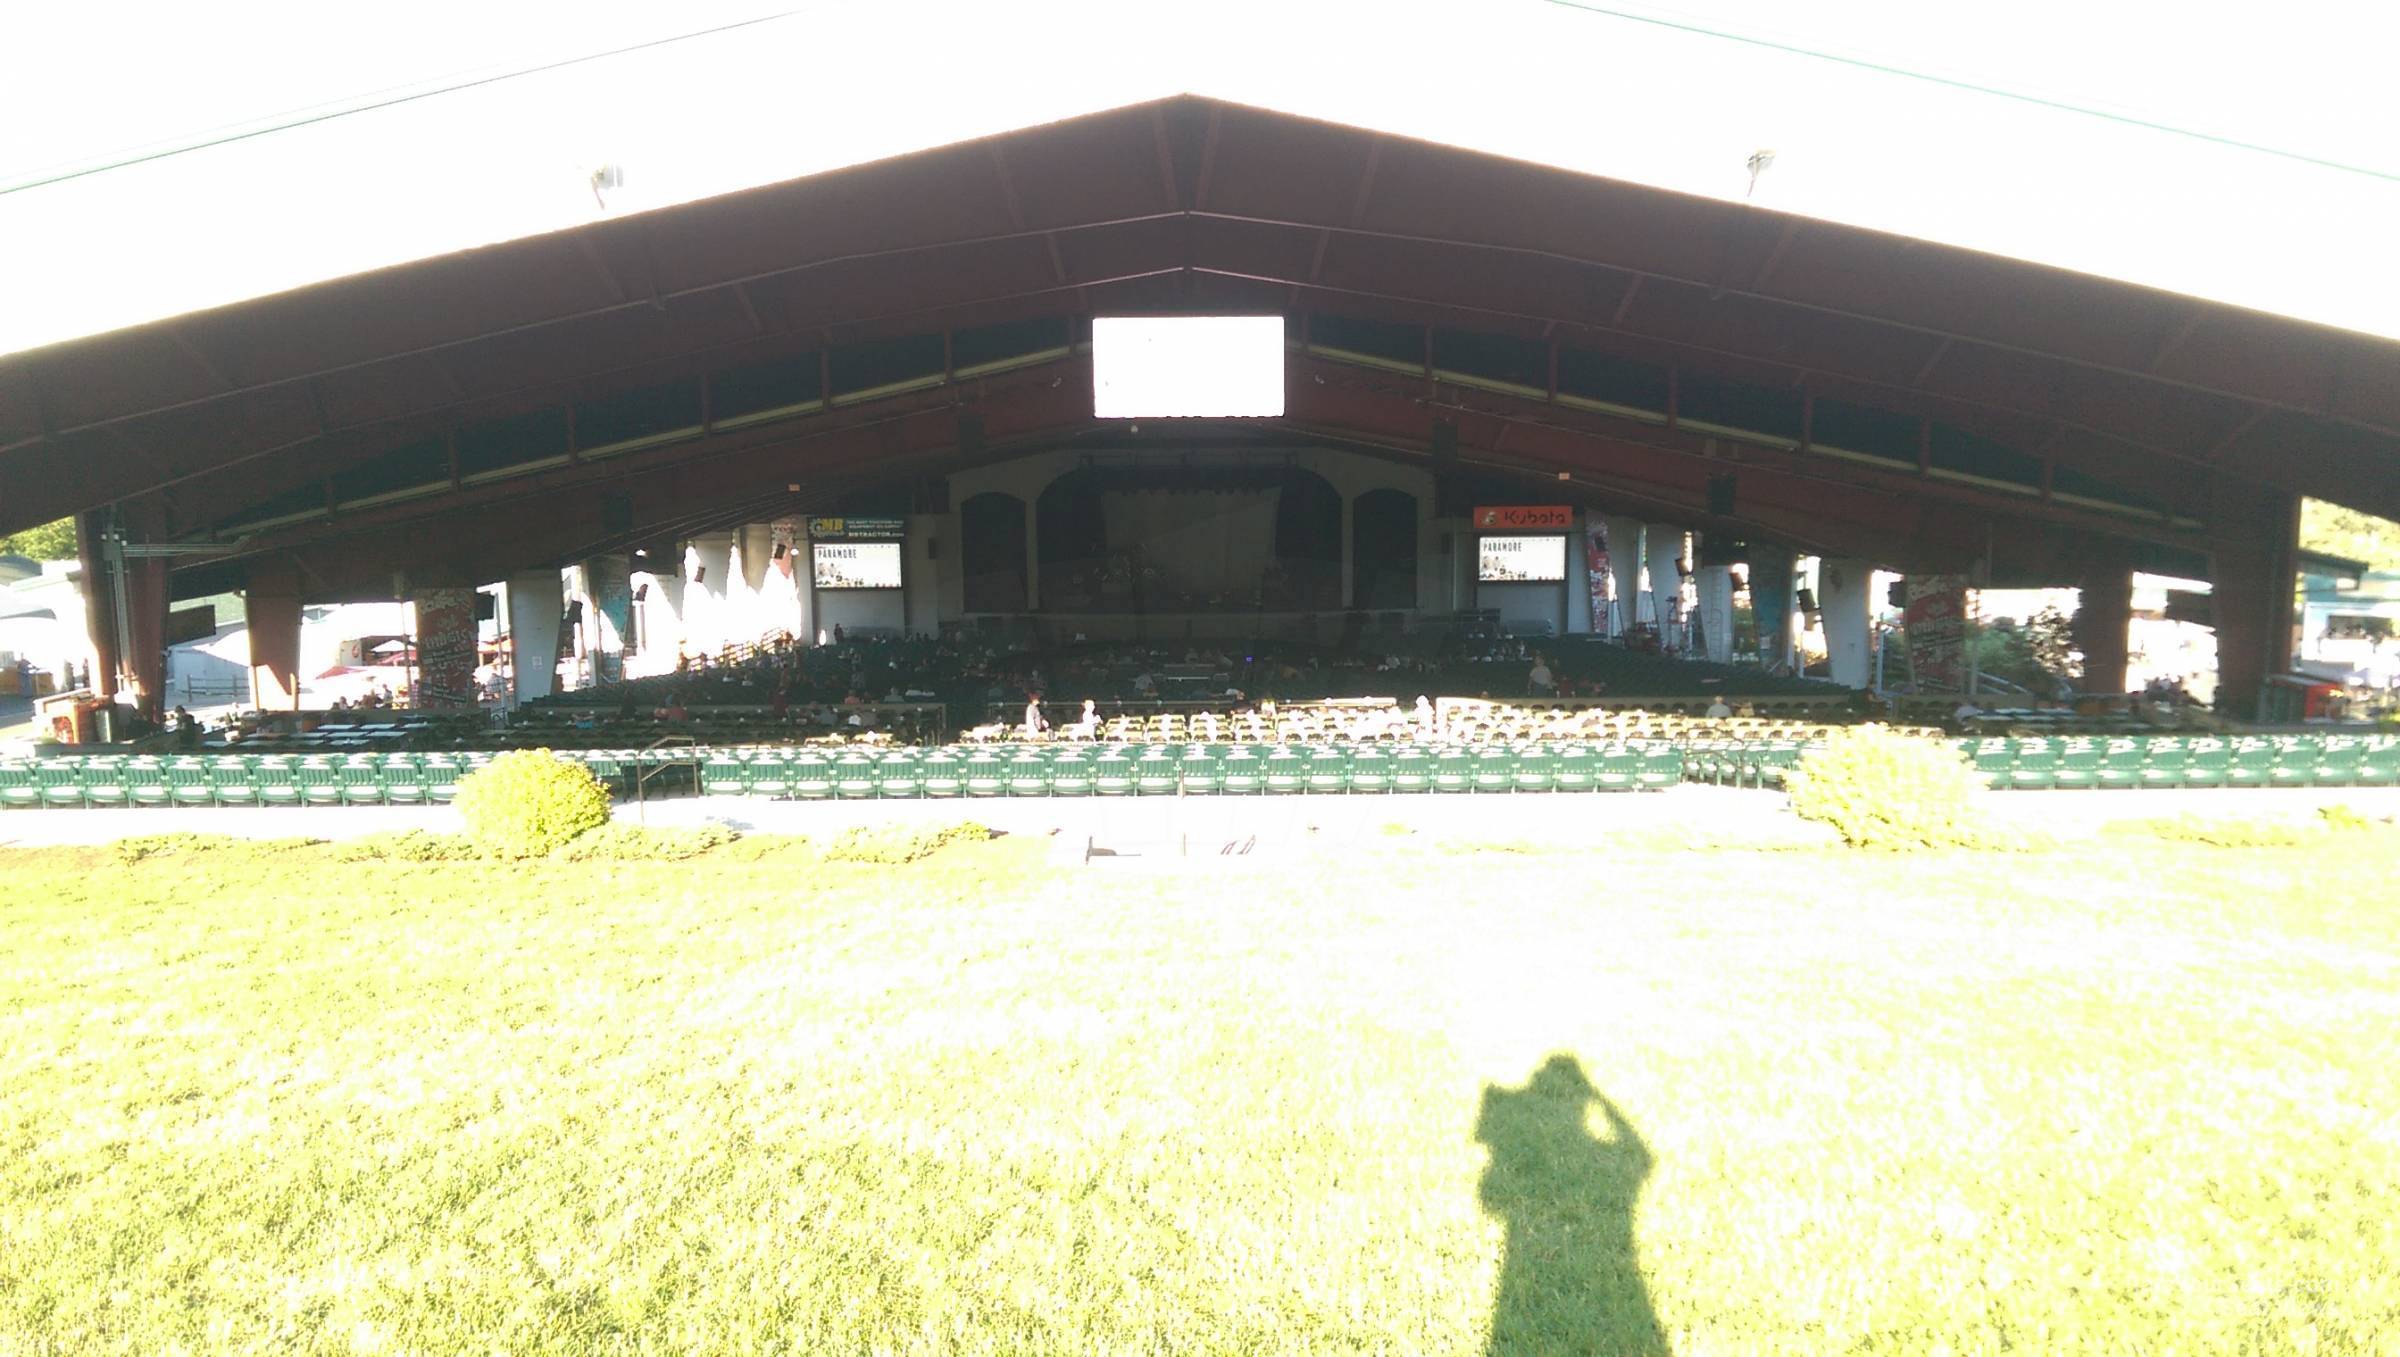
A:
(1088, 726)
(675, 713)
(780, 702)
(1539, 681)
(1717, 710)
(187, 729)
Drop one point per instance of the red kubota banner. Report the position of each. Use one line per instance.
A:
(1525, 518)
(1936, 622)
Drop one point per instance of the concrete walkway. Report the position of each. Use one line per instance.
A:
(1689, 816)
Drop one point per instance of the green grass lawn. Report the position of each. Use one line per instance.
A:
(2108, 1099)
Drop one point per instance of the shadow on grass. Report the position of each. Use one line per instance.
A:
(1570, 1281)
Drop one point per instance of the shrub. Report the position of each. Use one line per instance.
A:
(2219, 832)
(636, 843)
(2343, 819)
(1880, 789)
(529, 802)
(900, 843)
(409, 845)
(142, 846)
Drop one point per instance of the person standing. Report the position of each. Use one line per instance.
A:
(1034, 725)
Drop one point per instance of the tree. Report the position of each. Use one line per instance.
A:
(49, 542)
(2337, 531)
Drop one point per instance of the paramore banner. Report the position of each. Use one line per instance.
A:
(1936, 622)
(1602, 581)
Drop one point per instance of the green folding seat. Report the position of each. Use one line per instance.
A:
(2253, 763)
(2035, 768)
(361, 783)
(1286, 771)
(272, 782)
(1662, 767)
(2338, 760)
(2208, 762)
(900, 775)
(1158, 772)
(1494, 770)
(2296, 762)
(1329, 769)
(1412, 770)
(1108, 771)
(2078, 764)
(403, 783)
(61, 781)
(606, 767)
(1028, 772)
(104, 783)
(232, 782)
(1770, 762)
(857, 776)
(811, 777)
(1198, 771)
(1244, 771)
(943, 774)
(1370, 770)
(1537, 770)
(19, 787)
(441, 774)
(986, 774)
(1454, 770)
(722, 775)
(1575, 769)
(767, 775)
(2379, 761)
(1072, 771)
(1620, 769)
(2163, 760)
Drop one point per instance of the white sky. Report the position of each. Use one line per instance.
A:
(843, 81)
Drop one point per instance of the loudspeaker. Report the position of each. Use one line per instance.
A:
(641, 593)
(1808, 600)
(1897, 595)
(1720, 496)
(483, 606)
(574, 612)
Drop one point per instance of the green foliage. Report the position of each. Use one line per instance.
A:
(409, 845)
(142, 846)
(48, 542)
(1880, 789)
(2216, 831)
(635, 843)
(2348, 819)
(530, 802)
(2337, 531)
(900, 843)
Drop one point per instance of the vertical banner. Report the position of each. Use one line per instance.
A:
(785, 534)
(1603, 581)
(1936, 623)
(1771, 604)
(445, 648)
(612, 598)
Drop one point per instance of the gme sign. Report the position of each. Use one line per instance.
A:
(1525, 518)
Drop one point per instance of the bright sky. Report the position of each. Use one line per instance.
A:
(1631, 90)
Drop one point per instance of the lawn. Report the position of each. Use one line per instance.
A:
(1406, 1099)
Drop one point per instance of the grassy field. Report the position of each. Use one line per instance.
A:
(2141, 1098)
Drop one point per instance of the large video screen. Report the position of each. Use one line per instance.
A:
(856, 565)
(1187, 366)
(1517, 560)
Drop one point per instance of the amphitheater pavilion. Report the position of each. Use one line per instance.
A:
(864, 396)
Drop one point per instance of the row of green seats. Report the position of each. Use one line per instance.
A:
(2124, 761)
(1170, 770)
(231, 781)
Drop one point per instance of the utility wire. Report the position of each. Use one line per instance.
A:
(1948, 82)
(369, 103)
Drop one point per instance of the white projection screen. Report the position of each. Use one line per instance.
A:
(856, 565)
(1188, 367)
(1514, 560)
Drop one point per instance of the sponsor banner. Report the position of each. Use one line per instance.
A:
(1602, 581)
(445, 648)
(1518, 560)
(1525, 518)
(856, 565)
(1935, 618)
(839, 529)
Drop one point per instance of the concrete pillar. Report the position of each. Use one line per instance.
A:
(1846, 603)
(1716, 612)
(662, 611)
(608, 583)
(707, 602)
(445, 648)
(1772, 574)
(1663, 547)
(536, 602)
(1349, 546)
(1625, 562)
(2103, 621)
(271, 603)
(2254, 538)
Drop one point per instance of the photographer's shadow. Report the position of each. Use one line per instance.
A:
(1571, 1281)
